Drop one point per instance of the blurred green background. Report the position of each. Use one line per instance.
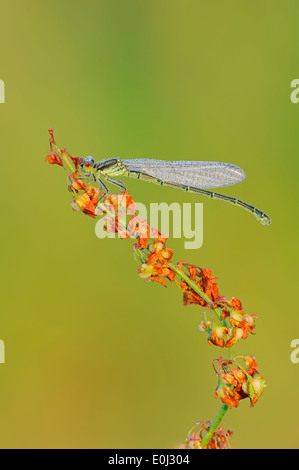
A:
(95, 357)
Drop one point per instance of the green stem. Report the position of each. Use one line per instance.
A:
(231, 352)
(213, 426)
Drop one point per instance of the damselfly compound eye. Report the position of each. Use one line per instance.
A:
(88, 160)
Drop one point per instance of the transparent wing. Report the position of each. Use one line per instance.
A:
(189, 173)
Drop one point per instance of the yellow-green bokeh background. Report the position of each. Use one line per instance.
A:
(95, 357)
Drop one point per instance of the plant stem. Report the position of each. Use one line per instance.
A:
(231, 352)
(213, 426)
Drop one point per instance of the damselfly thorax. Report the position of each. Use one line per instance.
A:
(111, 168)
(189, 176)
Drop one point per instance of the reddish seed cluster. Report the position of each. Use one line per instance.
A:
(203, 279)
(219, 440)
(235, 323)
(54, 159)
(236, 383)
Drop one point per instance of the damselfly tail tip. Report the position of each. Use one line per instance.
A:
(264, 219)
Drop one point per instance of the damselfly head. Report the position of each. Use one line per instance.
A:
(88, 161)
(87, 165)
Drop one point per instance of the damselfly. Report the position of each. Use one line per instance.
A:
(189, 176)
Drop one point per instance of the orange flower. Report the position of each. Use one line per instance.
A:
(75, 160)
(235, 303)
(121, 201)
(159, 253)
(251, 362)
(157, 249)
(207, 284)
(77, 184)
(235, 385)
(243, 321)
(129, 202)
(158, 237)
(139, 227)
(154, 272)
(54, 159)
(194, 272)
(223, 336)
(190, 297)
(228, 396)
(87, 202)
(238, 374)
